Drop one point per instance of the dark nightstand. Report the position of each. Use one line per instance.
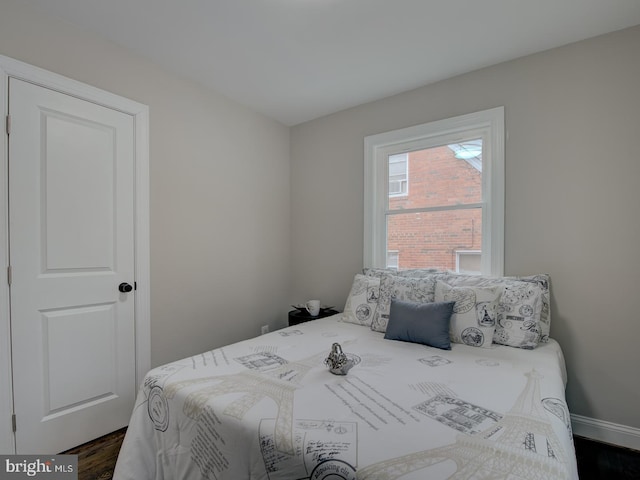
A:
(298, 316)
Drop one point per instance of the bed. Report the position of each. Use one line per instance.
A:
(269, 408)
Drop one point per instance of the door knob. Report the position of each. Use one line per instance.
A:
(124, 287)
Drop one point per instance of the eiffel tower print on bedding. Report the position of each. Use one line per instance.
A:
(268, 408)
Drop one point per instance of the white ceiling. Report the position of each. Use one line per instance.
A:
(295, 60)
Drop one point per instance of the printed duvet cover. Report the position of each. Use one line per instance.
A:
(268, 408)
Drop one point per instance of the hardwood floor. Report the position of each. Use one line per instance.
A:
(97, 459)
(596, 460)
(601, 461)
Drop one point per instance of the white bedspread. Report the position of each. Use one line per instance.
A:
(268, 408)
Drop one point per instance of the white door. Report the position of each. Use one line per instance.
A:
(71, 243)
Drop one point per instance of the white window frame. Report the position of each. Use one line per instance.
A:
(486, 124)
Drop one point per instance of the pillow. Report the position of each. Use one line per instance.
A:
(542, 280)
(518, 323)
(411, 272)
(475, 312)
(392, 287)
(536, 306)
(417, 272)
(362, 300)
(378, 272)
(425, 323)
(530, 314)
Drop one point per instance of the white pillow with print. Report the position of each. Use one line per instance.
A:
(475, 312)
(362, 300)
(518, 324)
(407, 289)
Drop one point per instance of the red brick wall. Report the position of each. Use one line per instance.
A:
(431, 239)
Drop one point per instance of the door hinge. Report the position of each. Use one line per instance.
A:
(8, 124)
(9, 275)
(13, 423)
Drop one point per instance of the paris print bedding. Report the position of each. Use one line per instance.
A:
(269, 409)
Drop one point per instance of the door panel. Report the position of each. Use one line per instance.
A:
(78, 234)
(89, 363)
(71, 177)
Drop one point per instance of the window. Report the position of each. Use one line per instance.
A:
(398, 174)
(468, 261)
(434, 195)
(393, 258)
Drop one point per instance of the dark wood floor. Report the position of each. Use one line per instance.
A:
(596, 460)
(97, 459)
(601, 461)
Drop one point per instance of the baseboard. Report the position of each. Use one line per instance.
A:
(607, 432)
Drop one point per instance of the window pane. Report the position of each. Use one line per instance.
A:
(398, 165)
(433, 239)
(392, 259)
(469, 262)
(439, 176)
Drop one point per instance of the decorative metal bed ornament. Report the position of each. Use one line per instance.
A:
(337, 361)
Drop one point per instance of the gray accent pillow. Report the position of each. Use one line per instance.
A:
(425, 323)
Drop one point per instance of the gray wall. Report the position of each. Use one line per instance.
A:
(219, 175)
(572, 199)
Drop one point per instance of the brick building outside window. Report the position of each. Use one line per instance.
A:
(446, 180)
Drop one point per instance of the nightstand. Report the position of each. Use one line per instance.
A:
(298, 316)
